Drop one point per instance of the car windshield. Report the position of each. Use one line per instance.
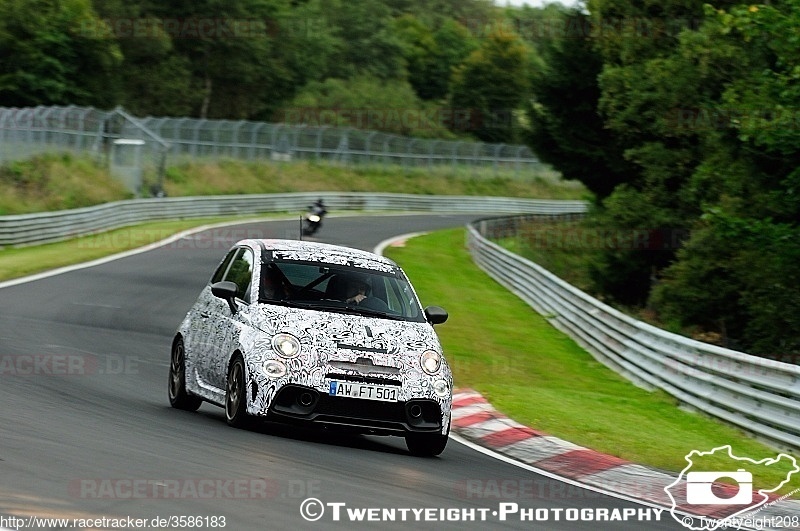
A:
(338, 288)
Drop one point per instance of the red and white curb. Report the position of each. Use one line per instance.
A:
(476, 420)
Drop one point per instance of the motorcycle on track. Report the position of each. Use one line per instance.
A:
(312, 219)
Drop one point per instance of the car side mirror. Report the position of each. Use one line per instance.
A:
(435, 315)
(226, 290)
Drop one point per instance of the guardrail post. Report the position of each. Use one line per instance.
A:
(4, 116)
(235, 138)
(254, 140)
(368, 146)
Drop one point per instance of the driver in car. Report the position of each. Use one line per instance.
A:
(357, 290)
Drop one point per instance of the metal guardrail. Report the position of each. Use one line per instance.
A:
(759, 395)
(52, 226)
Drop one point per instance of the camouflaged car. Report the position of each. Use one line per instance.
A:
(297, 331)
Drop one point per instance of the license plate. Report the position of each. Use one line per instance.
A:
(364, 391)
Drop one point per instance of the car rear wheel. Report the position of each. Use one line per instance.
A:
(178, 396)
(426, 444)
(236, 395)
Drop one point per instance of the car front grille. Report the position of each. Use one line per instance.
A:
(362, 379)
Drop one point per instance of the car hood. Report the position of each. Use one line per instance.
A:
(332, 336)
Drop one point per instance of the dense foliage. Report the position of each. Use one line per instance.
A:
(685, 119)
(272, 60)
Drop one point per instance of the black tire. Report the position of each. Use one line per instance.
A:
(179, 398)
(309, 228)
(236, 395)
(426, 444)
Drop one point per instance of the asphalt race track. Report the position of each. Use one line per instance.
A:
(86, 430)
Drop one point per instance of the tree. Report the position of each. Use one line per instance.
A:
(452, 45)
(491, 85)
(56, 53)
(646, 80)
(738, 278)
(739, 272)
(435, 11)
(370, 48)
(367, 103)
(419, 48)
(431, 56)
(235, 68)
(566, 128)
(153, 78)
(308, 43)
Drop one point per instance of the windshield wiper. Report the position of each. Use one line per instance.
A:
(337, 307)
(277, 302)
(376, 313)
(315, 305)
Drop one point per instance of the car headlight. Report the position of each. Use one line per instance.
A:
(274, 368)
(286, 345)
(431, 362)
(441, 388)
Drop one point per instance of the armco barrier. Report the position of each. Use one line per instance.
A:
(759, 395)
(53, 226)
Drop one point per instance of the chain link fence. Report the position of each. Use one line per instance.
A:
(32, 131)
(138, 149)
(257, 141)
(133, 152)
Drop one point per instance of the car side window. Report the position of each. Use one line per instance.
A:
(241, 273)
(223, 266)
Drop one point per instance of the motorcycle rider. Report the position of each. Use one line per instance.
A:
(313, 219)
(318, 208)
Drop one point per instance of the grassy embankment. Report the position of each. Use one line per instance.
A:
(541, 378)
(56, 182)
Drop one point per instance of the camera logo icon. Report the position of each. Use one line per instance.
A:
(699, 488)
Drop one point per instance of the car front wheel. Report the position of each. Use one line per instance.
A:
(178, 396)
(236, 395)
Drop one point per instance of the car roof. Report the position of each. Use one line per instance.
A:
(307, 251)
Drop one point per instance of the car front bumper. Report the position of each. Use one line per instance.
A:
(302, 404)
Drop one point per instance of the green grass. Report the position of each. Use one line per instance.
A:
(63, 181)
(56, 182)
(569, 263)
(231, 177)
(21, 261)
(536, 375)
